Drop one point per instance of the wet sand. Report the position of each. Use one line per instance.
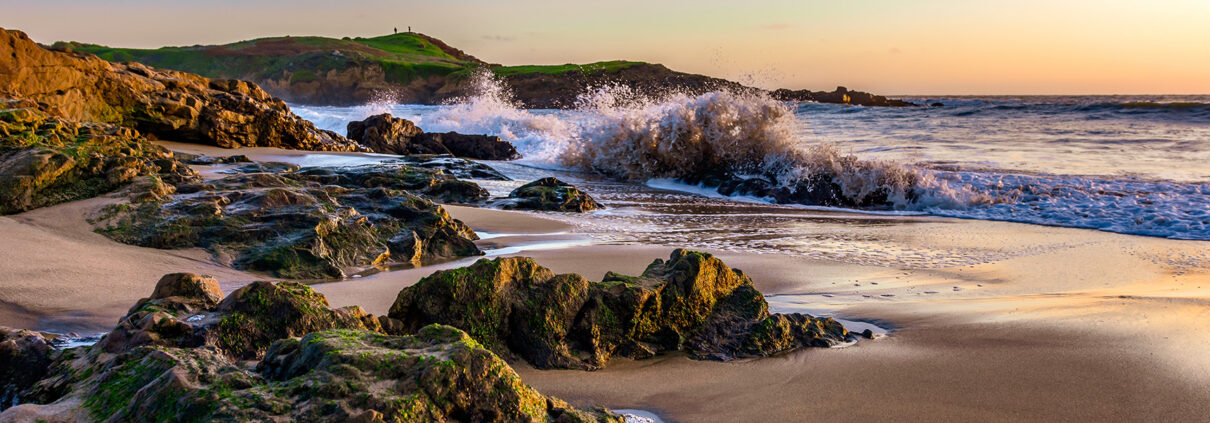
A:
(1036, 323)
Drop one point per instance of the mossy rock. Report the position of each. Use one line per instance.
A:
(691, 302)
(550, 194)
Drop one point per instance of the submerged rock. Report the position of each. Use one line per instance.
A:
(46, 160)
(384, 133)
(167, 104)
(550, 194)
(192, 366)
(306, 223)
(692, 302)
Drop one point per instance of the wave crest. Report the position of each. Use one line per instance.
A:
(741, 143)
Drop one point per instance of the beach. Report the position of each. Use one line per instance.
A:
(1038, 323)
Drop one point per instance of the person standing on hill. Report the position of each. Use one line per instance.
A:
(396, 30)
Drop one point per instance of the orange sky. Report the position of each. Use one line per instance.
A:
(884, 46)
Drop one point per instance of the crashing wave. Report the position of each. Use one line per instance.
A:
(743, 144)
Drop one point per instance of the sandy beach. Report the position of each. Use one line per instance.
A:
(1114, 326)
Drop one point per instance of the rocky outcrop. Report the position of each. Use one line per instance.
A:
(539, 90)
(384, 133)
(549, 194)
(25, 358)
(180, 355)
(841, 95)
(691, 302)
(311, 223)
(45, 160)
(166, 104)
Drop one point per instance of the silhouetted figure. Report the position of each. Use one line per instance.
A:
(396, 30)
(409, 29)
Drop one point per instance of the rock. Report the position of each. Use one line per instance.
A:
(183, 313)
(692, 302)
(166, 104)
(188, 285)
(45, 160)
(481, 147)
(25, 358)
(841, 95)
(242, 360)
(194, 159)
(550, 194)
(384, 133)
(937, 104)
(314, 223)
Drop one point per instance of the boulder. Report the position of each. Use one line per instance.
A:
(162, 103)
(691, 302)
(188, 285)
(313, 223)
(45, 160)
(243, 360)
(550, 194)
(384, 133)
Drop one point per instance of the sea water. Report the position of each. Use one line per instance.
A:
(1135, 165)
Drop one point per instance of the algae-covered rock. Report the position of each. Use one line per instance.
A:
(438, 374)
(184, 313)
(309, 223)
(46, 160)
(550, 194)
(692, 302)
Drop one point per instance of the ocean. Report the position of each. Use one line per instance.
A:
(1128, 164)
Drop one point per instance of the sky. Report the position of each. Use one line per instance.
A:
(929, 47)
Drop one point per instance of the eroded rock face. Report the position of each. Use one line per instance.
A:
(308, 223)
(189, 366)
(691, 302)
(550, 194)
(46, 160)
(167, 104)
(384, 133)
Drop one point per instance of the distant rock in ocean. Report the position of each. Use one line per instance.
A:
(841, 95)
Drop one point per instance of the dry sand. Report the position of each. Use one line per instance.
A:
(1058, 324)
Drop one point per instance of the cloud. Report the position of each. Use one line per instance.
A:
(499, 37)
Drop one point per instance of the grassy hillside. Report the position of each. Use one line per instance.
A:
(402, 57)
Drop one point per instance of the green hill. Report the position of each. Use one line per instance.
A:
(408, 67)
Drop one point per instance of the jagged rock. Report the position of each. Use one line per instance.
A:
(167, 104)
(549, 194)
(342, 369)
(46, 160)
(841, 95)
(184, 313)
(384, 133)
(308, 223)
(25, 358)
(691, 302)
